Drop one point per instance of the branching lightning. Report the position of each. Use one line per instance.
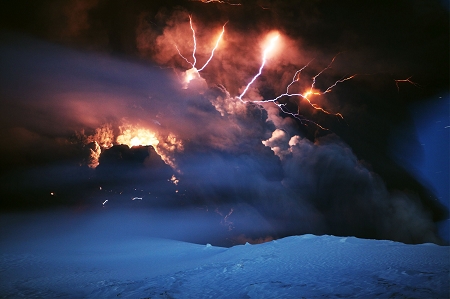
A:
(194, 39)
(225, 221)
(312, 91)
(185, 59)
(407, 80)
(216, 1)
(296, 78)
(195, 45)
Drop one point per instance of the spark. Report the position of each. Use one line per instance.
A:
(407, 80)
(264, 58)
(105, 202)
(136, 198)
(174, 180)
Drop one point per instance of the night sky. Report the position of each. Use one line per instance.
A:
(95, 114)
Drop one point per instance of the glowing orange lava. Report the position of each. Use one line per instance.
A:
(133, 136)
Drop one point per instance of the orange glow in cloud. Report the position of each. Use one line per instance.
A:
(274, 50)
(94, 155)
(103, 138)
(167, 147)
(188, 76)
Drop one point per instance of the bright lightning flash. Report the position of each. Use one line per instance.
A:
(193, 73)
(305, 95)
(269, 48)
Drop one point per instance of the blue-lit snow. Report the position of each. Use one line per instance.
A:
(56, 260)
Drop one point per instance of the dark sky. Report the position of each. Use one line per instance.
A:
(76, 72)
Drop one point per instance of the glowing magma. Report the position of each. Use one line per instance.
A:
(130, 135)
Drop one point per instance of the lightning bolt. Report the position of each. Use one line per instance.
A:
(225, 220)
(306, 96)
(215, 47)
(195, 45)
(311, 90)
(194, 39)
(216, 1)
(264, 58)
(296, 78)
(407, 80)
(185, 59)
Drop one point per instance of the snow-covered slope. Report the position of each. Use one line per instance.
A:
(108, 265)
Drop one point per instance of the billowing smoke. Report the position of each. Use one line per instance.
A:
(95, 130)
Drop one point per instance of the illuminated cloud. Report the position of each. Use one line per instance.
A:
(248, 134)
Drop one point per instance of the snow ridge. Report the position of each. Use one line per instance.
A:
(294, 267)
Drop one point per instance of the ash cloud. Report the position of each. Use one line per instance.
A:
(258, 172)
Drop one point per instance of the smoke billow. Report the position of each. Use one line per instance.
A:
(91, 129)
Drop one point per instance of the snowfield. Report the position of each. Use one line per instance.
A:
(83, 263)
